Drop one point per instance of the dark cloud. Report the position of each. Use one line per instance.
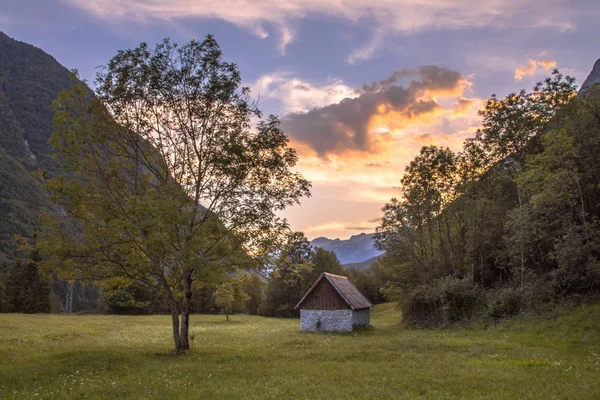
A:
(434, 77)
(374, 220)
(390, 81)
(303, 87)
(431, 77)
(357, 228)
(344, 126)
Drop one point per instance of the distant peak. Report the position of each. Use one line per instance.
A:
(593, 77)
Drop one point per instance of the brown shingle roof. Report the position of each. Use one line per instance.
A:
(345, 289)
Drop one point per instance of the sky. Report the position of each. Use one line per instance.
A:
(360, 85)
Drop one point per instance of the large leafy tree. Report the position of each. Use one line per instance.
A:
(166, 180)
(290, 265)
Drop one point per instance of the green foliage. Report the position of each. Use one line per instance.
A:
(370, 281)
(254, 288)
(164, 180)
(286, 280)
(321, 261)
(4, 305)
(505, 303)
(445, 301)
(26, 291)
(133, 298)
(229, 294)
(296, 268)
(29, 81)
(514, 215)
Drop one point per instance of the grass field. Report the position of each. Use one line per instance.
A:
(108, 357)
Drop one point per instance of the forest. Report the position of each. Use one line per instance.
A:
(509, 223)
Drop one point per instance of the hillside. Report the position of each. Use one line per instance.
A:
(361, 264)
(29, 81)
(356, 249)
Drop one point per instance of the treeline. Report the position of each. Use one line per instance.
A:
(511, 222)
(24, 288)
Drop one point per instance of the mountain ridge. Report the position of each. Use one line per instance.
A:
(356, 249)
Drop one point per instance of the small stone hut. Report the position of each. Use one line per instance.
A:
(333, 304)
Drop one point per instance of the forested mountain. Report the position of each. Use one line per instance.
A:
(354, 250)
(509, 223)
(29, 81)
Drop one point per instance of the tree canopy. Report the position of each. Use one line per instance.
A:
(510, 221)
(165, 179)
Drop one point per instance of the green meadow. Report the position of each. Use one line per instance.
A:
(551, 356)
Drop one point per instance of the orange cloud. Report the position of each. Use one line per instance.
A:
(531, 67)
(352, 183)
(368, 123)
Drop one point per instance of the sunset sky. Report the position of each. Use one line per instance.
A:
(360, 85)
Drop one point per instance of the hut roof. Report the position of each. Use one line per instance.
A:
(345, 289)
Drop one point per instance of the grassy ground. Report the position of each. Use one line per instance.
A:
(109, 357)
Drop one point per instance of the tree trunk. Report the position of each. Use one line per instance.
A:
(521, 238)
(175, 311)
(175, 322)
(69, 298)
(450, 249)
(184, 342)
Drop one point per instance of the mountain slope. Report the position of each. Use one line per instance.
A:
(361, 265)
(593, 78)
(356, 249)
(29, 81)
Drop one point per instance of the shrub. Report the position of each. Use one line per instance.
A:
(505, 303)
(445, 301)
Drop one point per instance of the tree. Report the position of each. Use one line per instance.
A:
(515, 203)
(286, 280)
(26, 291)
(228, 294)
(321, 261)
(254, 287)
(513, 127)
(165, 180)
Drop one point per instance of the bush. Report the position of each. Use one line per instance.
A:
(505, 303)
(445, 301)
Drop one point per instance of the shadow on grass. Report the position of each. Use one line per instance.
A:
(223, 322)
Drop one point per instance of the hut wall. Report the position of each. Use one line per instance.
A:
(361, 317)
(324, 297)
(326, 320)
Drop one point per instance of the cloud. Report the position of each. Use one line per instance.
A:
(531, 67)
(394, 16)
(368, 50)
(358, 228)
(349, 189)
(368, 122)
(298, 95)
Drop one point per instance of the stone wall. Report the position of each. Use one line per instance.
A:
(361, 318)
(330, 320)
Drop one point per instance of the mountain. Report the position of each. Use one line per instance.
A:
(361, 265)
(593, 77)
(30, 80)
(358, 248)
